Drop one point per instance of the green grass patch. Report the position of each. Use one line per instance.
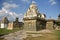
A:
(5, 31)
(57, 33)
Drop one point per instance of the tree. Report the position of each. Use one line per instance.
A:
(59, 16)
(17, 19)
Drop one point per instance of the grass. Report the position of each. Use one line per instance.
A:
(57, 33)
(5, 31)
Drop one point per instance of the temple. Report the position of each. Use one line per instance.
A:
(33, 20)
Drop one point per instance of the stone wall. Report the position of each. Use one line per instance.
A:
(30, 25)
(10, 26)
(34, 25)
(50, 24)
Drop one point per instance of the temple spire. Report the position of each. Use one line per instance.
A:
(33, 4)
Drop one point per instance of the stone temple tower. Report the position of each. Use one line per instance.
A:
(4, 22)
(33, 20)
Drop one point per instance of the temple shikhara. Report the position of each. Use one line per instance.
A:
(33, 21)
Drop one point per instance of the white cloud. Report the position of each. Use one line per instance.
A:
(28, 1)
(8, 6)
(5, 11)
(53, 2)
(33, 2)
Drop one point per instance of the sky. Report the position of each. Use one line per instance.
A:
(17, 8)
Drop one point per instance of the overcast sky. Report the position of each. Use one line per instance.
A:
(17, 8)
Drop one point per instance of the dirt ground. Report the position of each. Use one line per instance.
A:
(46, 35)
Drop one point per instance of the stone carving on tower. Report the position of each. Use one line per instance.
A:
(33, 20)
(33, 12)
